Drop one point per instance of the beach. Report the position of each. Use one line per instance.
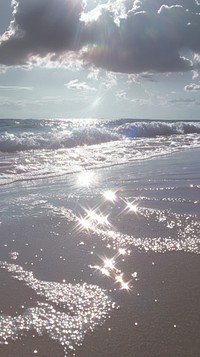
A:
(102, 261)
(99, 178)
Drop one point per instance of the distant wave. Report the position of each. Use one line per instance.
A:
(22, 135)
(149, 129)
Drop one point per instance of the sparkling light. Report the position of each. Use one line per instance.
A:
(83, 224)
(105, 271)
(109, 264)
(125, 285)
(119, 278)
(122, 251)
(99, 219)
(110, 196)
(86, 178)
(68, 313)
(131, 207)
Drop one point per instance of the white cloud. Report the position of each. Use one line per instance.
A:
(192, 87)
(166, 7)
(75, 84)
(121, 94)
(11, 88)
(185, 101)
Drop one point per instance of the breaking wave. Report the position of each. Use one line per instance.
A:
(10, 142)
(30, 134)
(157, 128)
(35, 149)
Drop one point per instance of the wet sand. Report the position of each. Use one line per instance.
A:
(158, 314)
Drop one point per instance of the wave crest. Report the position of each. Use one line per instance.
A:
(154, 128)
(10, 142)
(25, 135)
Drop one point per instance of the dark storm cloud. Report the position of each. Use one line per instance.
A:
(149, 39)
(126, 36)
(41, 27)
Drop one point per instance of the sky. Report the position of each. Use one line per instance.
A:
(100, 59)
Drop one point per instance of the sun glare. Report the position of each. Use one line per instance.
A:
(98, 219)
(110, 196)
(83, 224)
(105, 271)
(122, 251)
(109, 264)
(119, 278)
(86, 179)
(131, 207)
(125, 286)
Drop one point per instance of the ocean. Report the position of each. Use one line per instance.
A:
(32, 149)
(99, 238)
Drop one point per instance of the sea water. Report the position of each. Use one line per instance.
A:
(32, 149)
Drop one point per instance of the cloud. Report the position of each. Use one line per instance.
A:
(121, 94)
(11, 88)
(140, 101)
(192, 87)
(7, 103)
(41, 27)
(148, 77)
(120, 36)
(75, 84)
(151, 37)
(182, 101)
(144, 41)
